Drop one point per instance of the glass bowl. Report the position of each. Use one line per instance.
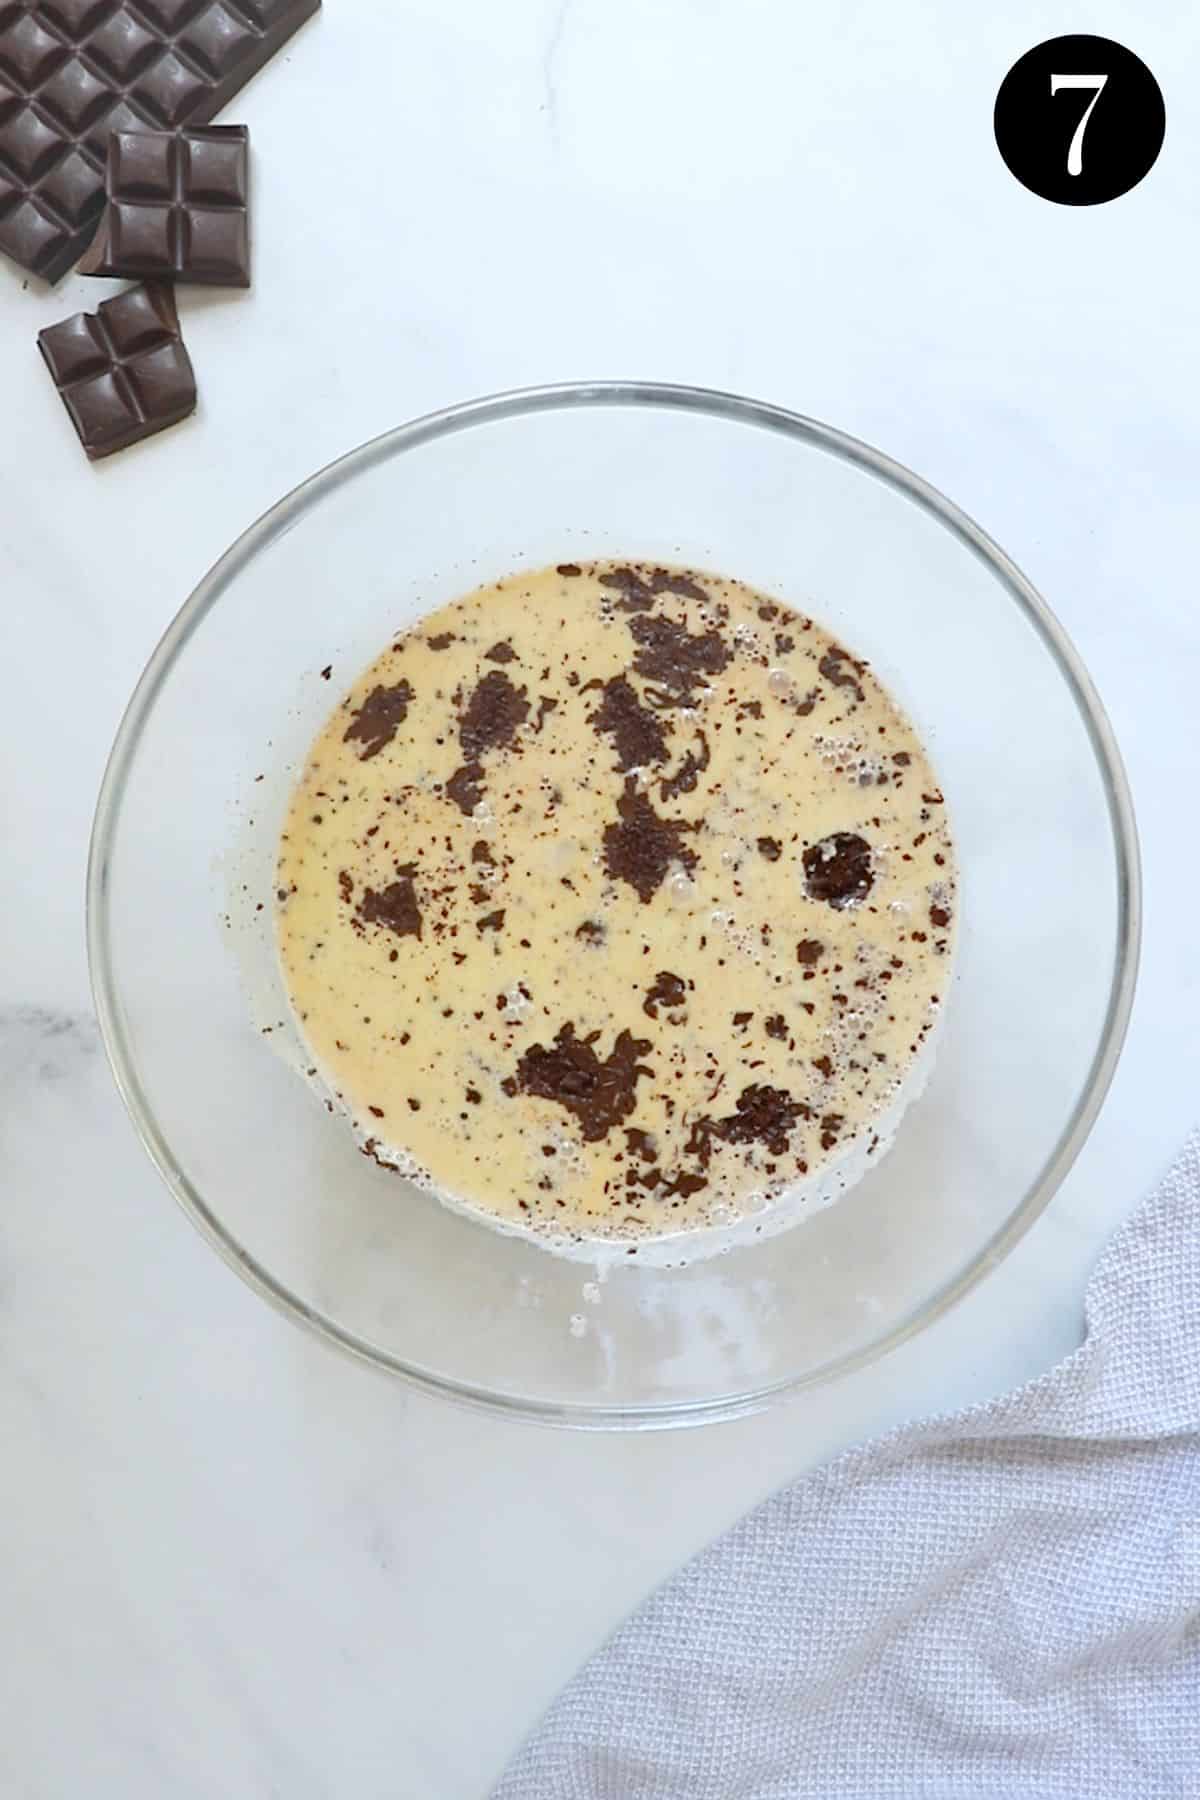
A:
(182, 954)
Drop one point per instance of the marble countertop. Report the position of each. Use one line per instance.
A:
(233, 1563)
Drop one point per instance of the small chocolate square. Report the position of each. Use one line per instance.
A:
(216, 168)
(214, 36)
(170, 90)
(177, 208)
(70, 188)
(27, 232)
(28, 53)
(216, 246)
(30, 146)
(140, 319)
(74, 350)
(141, 164)
(122, 372)
(139, 241)
(123, 47)
(74, 95)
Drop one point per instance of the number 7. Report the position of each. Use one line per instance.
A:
(1057, 84)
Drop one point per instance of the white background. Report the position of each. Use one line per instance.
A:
(231, 1563)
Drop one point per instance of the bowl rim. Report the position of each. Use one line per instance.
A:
(729, 407)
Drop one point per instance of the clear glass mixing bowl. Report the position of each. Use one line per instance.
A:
(183, 960)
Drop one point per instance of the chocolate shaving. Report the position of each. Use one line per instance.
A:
(492, 921)
(598, 1092)
(591, 931)
(675, 660)
(638, 737)
(668, 990)
(683, 1183)
(636, 594)
(642, 847)
(808, 951)
(638, 591)
(688, 773)
(501, 653)
(838, 869)
(831, 1125)
(771, 848)
(833, 667)
(663, 581)
(465, 788)
(441, 641)
(494, 712)
(640, 1143)
(377, 720)
(765, 1115)
(569, 569)
(395, 907)
(371, 1149)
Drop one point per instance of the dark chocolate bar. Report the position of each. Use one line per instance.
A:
(73, 71)
(122, 371)
(177, 207)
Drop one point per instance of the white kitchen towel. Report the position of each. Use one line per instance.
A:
(1001, 1604)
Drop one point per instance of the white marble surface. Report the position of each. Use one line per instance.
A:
(230, 1562)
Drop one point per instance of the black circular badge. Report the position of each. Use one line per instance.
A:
(1079, 120)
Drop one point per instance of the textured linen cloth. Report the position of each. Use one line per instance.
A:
(995, 1605)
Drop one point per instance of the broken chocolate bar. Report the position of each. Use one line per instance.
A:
(74, 71)
(177, 207)
(122, 371)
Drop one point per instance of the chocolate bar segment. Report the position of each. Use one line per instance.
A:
(74, 71)
(123, 371)
(177, 207)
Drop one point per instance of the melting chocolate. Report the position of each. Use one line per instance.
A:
(675, 660)
(378, 719)
(395, 906)
(598, 1092)
(642, 847)
(638, 737)
(668, 990)
(765, 1115)
(838, 869)
(494, 712)
(688, 773)
(465, 787)
(842, 669)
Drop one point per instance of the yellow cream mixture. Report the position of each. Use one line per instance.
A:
(615, 897)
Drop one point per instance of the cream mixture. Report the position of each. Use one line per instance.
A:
(617, 901)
